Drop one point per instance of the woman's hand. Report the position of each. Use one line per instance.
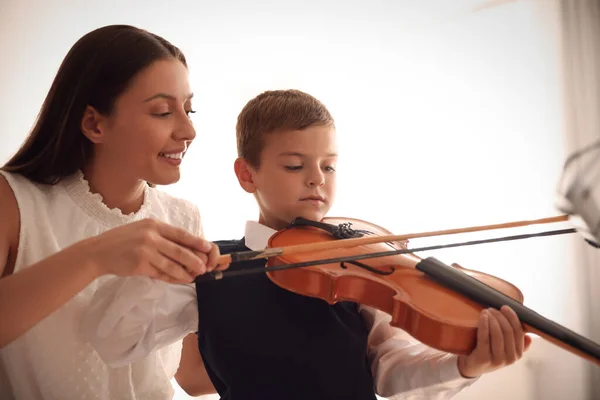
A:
(155, 249)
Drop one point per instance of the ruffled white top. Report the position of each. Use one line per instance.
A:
(53, 360)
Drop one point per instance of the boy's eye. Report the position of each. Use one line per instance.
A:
(293, 167)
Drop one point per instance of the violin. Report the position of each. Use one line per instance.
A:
(343, 259)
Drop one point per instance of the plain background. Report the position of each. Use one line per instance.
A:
(446, 118)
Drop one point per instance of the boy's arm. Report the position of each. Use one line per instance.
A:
(404, 367)
(128, 318)
(192, 375)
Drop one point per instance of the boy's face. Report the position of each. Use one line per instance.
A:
(296, 176)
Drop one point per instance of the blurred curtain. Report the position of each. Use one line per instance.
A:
(578, 29)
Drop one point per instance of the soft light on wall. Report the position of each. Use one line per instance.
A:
(446, 118)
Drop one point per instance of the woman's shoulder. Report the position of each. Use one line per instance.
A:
(22, 187)
(176, 210)
(7, 193)
(26, 192)
(15, 180)
(9, 229)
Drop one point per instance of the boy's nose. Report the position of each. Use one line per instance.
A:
(316, 180)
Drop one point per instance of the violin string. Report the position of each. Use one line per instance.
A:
(216, 275)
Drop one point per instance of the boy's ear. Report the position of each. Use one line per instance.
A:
(243, 171)
(92, 125)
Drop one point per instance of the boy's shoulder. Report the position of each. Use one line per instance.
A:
(230, 245)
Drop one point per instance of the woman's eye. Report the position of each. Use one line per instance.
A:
(330, 169)
(293, 167)
(161, 114)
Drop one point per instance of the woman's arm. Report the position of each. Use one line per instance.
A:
(147, 248)
(131, 317)
(30, 295)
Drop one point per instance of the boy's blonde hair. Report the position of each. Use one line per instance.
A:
(276, 111)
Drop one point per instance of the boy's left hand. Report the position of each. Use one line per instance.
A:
(500, 342)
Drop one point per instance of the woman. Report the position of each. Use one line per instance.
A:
(78, 204)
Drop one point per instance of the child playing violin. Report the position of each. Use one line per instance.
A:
(256, 340)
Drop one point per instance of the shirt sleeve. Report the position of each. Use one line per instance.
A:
(403, 367)
(130, 317)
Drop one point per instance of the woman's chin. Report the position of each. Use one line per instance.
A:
(164, 178)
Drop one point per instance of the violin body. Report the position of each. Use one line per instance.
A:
(432, 313)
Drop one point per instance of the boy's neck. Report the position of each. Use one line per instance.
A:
(272, 222)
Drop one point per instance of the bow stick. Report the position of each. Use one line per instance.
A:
(336, 244)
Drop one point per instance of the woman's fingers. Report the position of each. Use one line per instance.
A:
(184, 238)
(193, 262)
(213, 260)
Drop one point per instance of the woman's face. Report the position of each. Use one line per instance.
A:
(149, 130)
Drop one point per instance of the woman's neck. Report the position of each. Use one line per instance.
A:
(114, 187)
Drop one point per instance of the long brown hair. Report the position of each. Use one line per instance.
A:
(96, 70)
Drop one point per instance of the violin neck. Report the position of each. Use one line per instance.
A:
(487, 296)
(574, 337)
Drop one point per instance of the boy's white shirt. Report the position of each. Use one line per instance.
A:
(131, 317)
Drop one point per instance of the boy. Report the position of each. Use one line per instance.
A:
(258, 341)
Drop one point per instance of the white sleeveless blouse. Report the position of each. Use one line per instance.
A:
(52, 360)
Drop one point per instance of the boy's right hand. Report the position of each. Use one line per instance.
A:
(155, 249)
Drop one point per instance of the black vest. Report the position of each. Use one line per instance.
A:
(261, 342)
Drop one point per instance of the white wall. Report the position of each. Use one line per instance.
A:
(446, 118)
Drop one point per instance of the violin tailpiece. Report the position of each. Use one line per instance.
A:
(341, 231)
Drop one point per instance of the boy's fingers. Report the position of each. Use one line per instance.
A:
(483, 332)
(508, 336)
(496, 341)
(513, 319)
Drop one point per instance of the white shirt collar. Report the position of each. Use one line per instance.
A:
(257, 235)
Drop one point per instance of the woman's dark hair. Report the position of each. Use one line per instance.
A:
(95, 72)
